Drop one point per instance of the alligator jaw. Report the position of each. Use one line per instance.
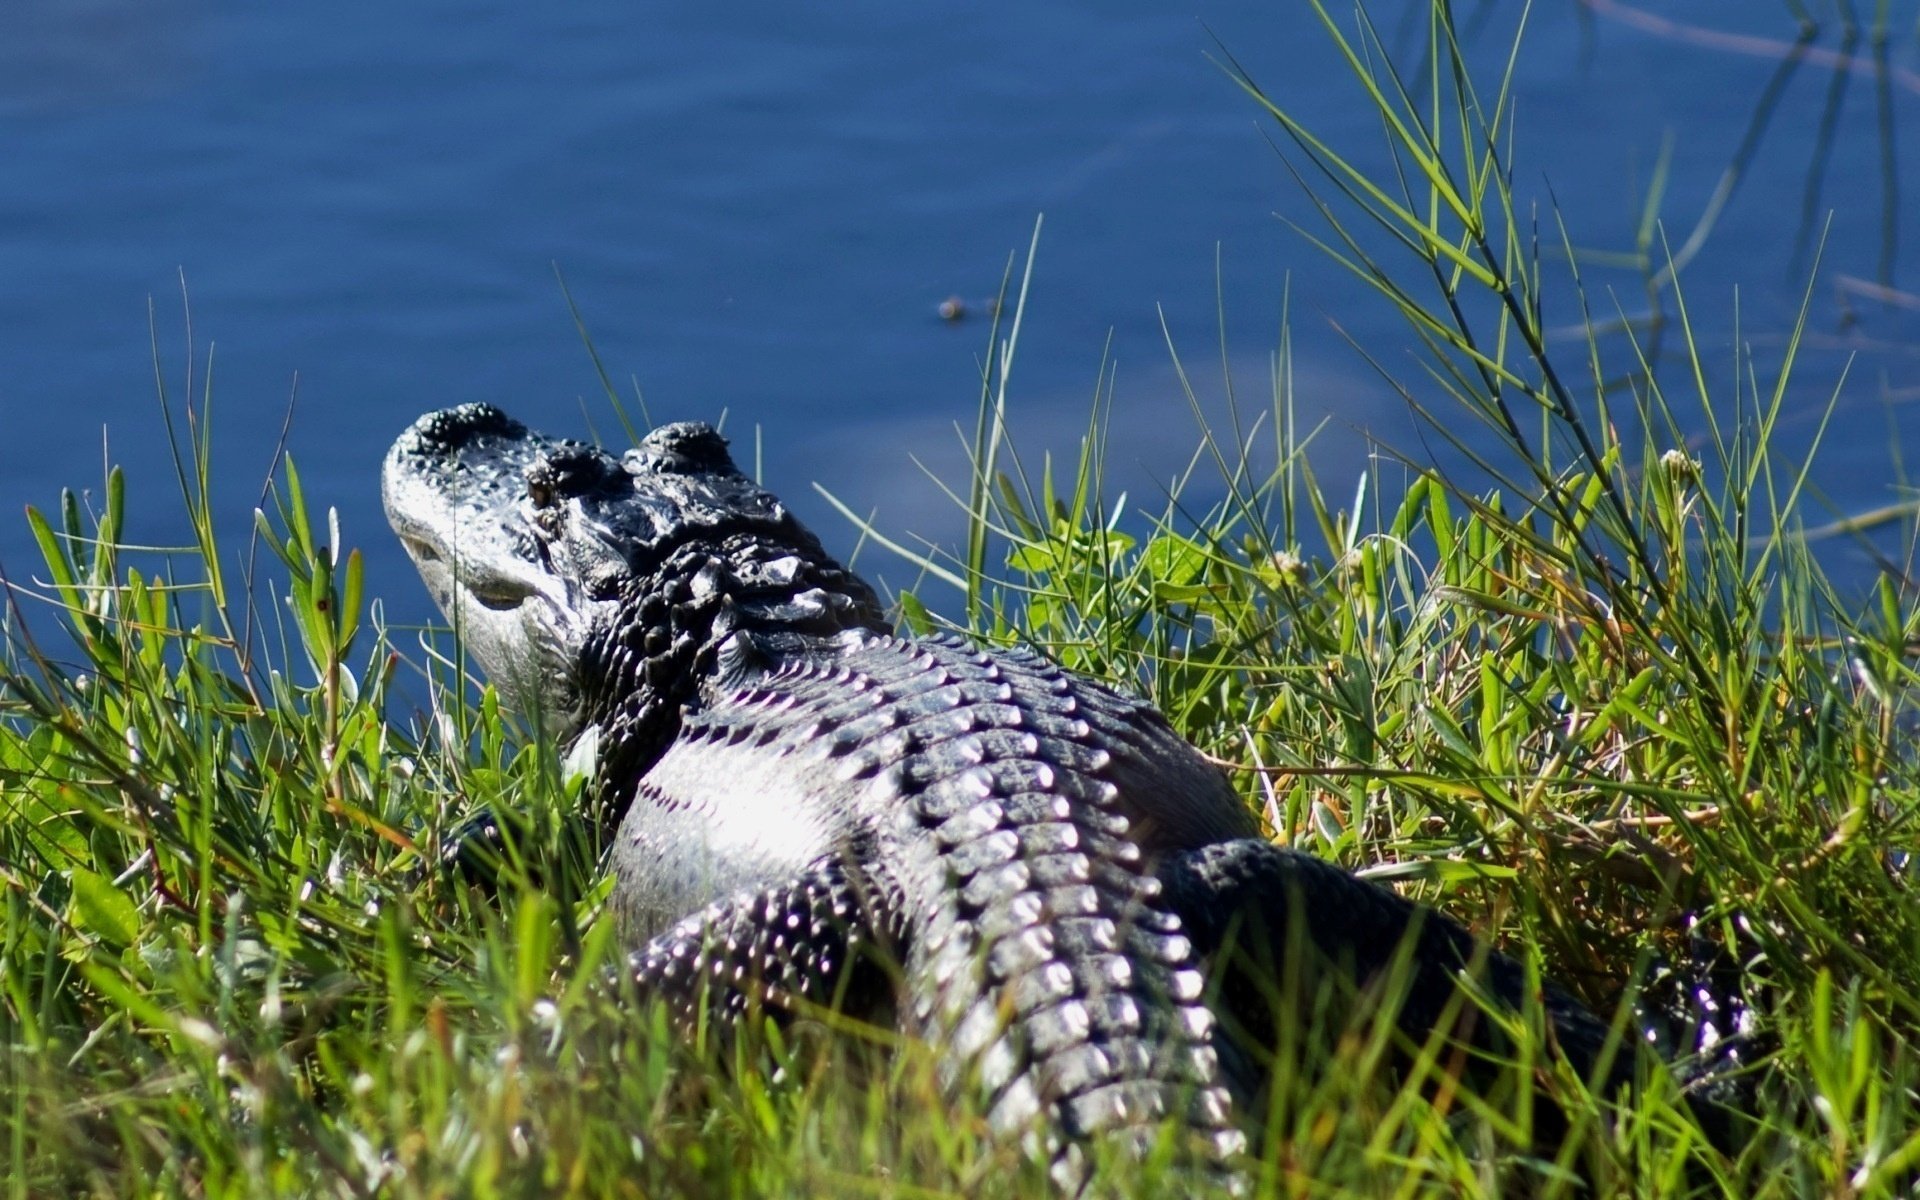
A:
(454, 487)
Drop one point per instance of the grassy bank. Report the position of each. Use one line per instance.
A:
(1599, 702)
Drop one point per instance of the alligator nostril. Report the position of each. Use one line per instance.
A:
(452, 428)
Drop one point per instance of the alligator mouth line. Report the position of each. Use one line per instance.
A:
(422, 550)
(492, 588)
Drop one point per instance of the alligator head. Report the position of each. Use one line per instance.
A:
(597, 590)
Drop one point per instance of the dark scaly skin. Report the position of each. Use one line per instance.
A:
(803, 797)
(975, 796)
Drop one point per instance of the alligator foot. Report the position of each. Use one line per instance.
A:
(803, 945)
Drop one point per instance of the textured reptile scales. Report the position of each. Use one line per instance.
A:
(1032, 942)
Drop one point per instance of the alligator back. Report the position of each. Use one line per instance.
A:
(999, 819)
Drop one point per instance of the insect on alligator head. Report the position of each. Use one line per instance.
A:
(595, 589)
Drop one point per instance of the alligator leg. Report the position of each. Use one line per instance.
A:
(805, 943)
(1241, 901)
(475, 851)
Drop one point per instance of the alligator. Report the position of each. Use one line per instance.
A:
(1027, 867)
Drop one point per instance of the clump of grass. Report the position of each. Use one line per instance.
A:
(1604, 706)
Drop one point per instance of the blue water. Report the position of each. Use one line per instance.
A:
(758, 213)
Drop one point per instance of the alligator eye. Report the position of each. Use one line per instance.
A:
(564, 472)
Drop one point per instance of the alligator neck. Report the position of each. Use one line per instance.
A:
(711, 611)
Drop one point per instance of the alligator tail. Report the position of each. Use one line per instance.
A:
(1248, 902)
(1042, 959)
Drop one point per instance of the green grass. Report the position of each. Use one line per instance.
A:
(1603, 694)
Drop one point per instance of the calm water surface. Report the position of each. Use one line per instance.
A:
(758, 213)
